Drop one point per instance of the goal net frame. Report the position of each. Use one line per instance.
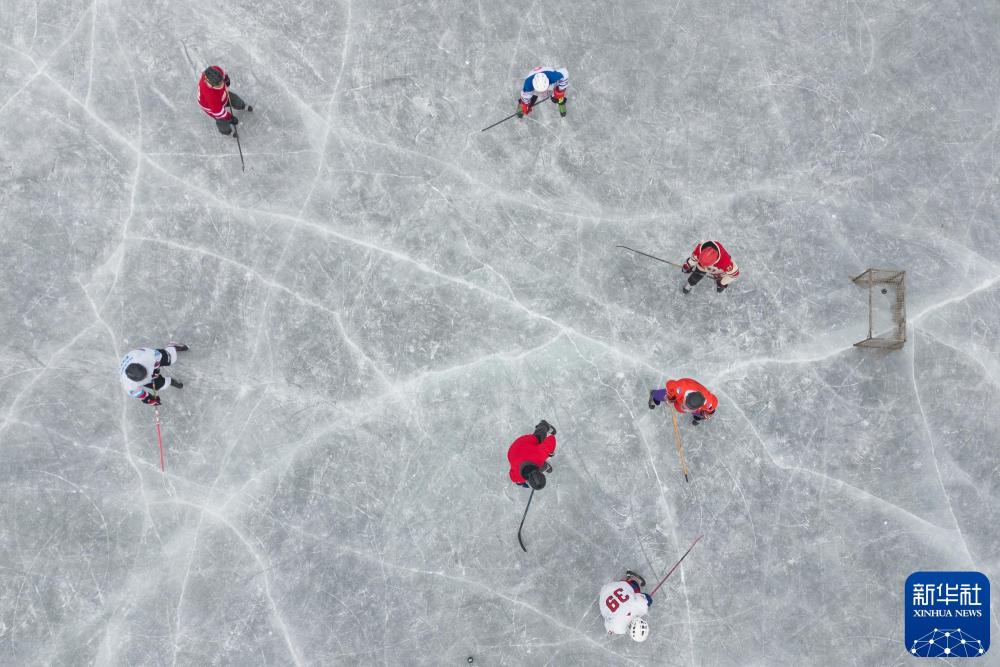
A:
(887, 279)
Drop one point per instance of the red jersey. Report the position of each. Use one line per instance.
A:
(525, 449)
(724, 266)
(214, 101)
(677, 390)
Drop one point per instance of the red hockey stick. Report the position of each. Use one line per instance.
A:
(159, 438)
(697, 539)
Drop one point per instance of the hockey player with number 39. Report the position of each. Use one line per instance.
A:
(538, 81)
(623, 605)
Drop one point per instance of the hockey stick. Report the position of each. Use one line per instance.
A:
(498, 122)
(159, 435)
(697, 539)
(512, 115)
(521, 541)
(236, 133)
(680, 449)
(159, 438)
(639, 252)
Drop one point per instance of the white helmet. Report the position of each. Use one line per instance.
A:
(638, 629)
(540, 82)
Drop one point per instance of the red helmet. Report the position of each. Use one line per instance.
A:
(709, 254)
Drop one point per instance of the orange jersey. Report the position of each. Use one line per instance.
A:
(677, 390)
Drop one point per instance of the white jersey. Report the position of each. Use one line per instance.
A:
(148, 359)
(619, 605)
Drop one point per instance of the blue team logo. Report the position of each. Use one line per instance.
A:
(947, 614)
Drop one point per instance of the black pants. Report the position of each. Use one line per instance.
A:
(156, 384)
(695, 277)
(164, 357)
(158, 380)
(237, 103)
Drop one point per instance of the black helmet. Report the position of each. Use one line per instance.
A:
(135, 372)
(213, 75)
(534, 476)
(694, 400)
(536, 480)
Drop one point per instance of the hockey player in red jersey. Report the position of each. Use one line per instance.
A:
(688, 396)
(528, 456)
(216, 99)
(711, 258)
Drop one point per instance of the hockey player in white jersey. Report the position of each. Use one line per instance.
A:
(140, 370)
(539, 81)
(623, 606)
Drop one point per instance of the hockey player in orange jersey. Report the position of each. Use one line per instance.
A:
(688, 396)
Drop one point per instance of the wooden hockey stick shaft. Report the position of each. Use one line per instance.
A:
(676, 565)
(680, 448)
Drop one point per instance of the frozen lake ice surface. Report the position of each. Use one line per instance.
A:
(387, 297)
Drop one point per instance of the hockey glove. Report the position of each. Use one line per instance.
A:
(234, 120)
(546, 467)
(686, 268)
(541, 431)
(558, 96)
(652, 401)
(226, 80)
(152, 400)
(524, 109)
(719, 287)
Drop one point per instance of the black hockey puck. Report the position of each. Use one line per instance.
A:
(470, 659)
(885, 291)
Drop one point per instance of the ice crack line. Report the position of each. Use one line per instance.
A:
(293, 652)
(922, 525)
(475, 584)
(930, 440)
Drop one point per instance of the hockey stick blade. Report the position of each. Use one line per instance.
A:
(676, 565)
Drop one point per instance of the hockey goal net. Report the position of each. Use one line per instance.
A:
(885, 287)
